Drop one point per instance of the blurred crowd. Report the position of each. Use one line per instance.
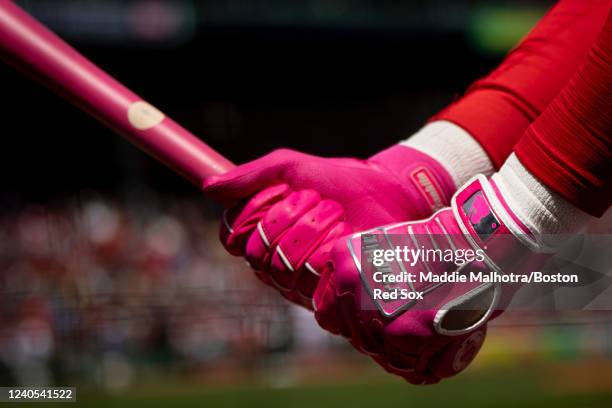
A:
(103, 291)
(91, 288)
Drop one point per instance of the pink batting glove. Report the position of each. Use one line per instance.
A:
(425, 340)
(287, 209)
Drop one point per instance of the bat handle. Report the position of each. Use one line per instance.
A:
(31, 47)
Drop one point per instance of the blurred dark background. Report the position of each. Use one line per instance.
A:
(330, 77)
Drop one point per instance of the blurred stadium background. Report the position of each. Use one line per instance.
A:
(111, 276)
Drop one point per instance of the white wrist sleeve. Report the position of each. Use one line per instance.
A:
(453, 148)
(544, 212)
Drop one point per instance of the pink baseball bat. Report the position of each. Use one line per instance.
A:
(31, 47)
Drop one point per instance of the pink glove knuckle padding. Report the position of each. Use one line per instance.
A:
(421, 340)
(298, 206)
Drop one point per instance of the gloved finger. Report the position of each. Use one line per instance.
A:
(408, 340)
(275, 223)
(321, 255)
(310, 272)
(245, 180)
(431, 360)
(328, 305)
(239, 222)
(368, 332)
(301, 240)
(412, 361)
(339, 306)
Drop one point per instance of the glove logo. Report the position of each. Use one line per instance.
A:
(428, 187)
(480, 216)
(468, 350)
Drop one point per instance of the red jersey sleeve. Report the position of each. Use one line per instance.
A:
(569, 147)
(497, 110)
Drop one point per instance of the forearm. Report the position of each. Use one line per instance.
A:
(569, 147)
(497, 110)
(561, 173)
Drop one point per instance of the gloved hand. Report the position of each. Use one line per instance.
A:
(287, 209)
(424, 340)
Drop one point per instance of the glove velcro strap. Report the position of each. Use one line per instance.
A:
(489, 225)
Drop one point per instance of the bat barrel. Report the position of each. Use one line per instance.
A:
(28, 45)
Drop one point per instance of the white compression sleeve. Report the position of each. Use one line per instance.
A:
(453, 148)
(543, 211)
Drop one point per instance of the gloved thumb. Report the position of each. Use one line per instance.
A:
(247, 179)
